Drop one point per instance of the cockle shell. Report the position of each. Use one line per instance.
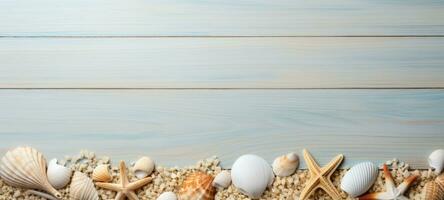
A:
(440, 180)
(58, 175)
(167, 196)
(285, 165)
(197, 186)
(82, 188)
(102, 174)
(359, 178)
(433, 191)
(222, 180)
(251, 174)
(143, 167)
(436, 160)
(25, 167)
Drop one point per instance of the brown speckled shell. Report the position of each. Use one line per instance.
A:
(197, 186)
(432, 191)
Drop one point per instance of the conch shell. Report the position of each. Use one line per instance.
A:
(286, 165)
(433, 191)
(197, 186)
(82, 188)
(25, 167)
(102, 174)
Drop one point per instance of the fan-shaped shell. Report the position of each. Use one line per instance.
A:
(436, 160)
(359, 178)
(58, 175)
(222, 180)
(440, 181)
(102, 174)
(432, 191)
(25, 167)
(82, 188)
(197, 186)
(285, 165)
(143, 167)
(167, 196)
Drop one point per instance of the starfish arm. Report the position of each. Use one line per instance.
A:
(120, 196)
(328, 187)
(110, 186)
(123, 177)
(309, 188)
(377, 196)
(406, 184)
(139, 183)
(132, 196)
(389, 183)
(332, 165)
(312, 166)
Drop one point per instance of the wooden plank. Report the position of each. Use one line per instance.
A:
(178, 127)
(221, 62)
(221, 18)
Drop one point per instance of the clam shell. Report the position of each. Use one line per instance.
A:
(143, 167)
(359, 178)
(167, 196)
(82, 188)
(432, 191)
(251, 175)
(25, 167)
(440, 181)
(285, 165)
(102, 174)
(222, 180)
(436, 160)
(197, 186)
(58, 175)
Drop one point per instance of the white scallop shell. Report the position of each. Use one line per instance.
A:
(143, 167)
(359, 178)
(251, 174)
(167, 196)
(102, 173)
(436, 160)
(285, 165)
(58, 175)
(82, 188)
(222, 180)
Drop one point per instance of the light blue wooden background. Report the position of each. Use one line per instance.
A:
(184, 80)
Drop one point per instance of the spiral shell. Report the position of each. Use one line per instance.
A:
(197, 186)
(222, 180)
(433, 191)
(25, 167)
(286, 165)
(101, 174)
(82, 188)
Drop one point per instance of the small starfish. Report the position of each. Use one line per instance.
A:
(320, 177)
(392, 192)
(124, 188)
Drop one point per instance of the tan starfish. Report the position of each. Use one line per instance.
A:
(320, 177)
(392, 192)
(124, 188)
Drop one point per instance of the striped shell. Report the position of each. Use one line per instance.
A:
(440, 180)
(25, 167)
(359, 178)
(82, 188)
(102, 174)
(197, 186)
(433, 191)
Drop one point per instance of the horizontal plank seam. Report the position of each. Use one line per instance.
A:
(232, 36)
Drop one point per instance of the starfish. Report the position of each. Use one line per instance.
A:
(124, 188)
(392, 192)
(320, 177)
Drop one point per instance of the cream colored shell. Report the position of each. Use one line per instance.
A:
(197, 186)
(82, 188)
(222, 180)
(143, 167)
(433, 191)
(285, 165)
(102, 173)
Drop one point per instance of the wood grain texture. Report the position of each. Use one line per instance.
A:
(221, 62)
(221, 18)
(178, 127)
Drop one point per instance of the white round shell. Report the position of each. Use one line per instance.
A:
(359, 179)
(143, 167)
(58, 175)
(251, 174)
(436, 160)
(167, 196)
(222, 180)
(285, 165)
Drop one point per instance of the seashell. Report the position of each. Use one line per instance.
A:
(58, 175)
(436, 160)
(102, 174)
(197, 186)
(167, 196)
(251, 174)
(286, 165)
(82, 188)
(25, 167)
(359, 179)
(432, 191)
(143, 167)
(222, 180)
(440, 181)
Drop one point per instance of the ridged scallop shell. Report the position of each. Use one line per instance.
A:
(197, 186)
(25, 167)
(359, 178)
(167, 196)
(102, 174)
(143, 167)
(285, 165)
(432, 191)
(436, 160)
(58, 175)
(222, 180)
(440, 180)
(82, 188)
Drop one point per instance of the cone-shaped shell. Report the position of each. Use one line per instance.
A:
(222, 180)
(82, 188)
(432, 191)
(25, 167)
(359, 178)
(436, 160)
(143, 167)
(102, 174)
(286, 165)
(197, 186)
(58, 175)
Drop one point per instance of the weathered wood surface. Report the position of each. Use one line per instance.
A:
(221, 62)
(219, 18)
(178, 127)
